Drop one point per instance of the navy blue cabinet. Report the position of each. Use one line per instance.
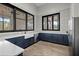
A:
(61, 39)
(55, 38)
(21, 42)
(66, 40)
(16, 40)
(30, 40)
(47, 37)
(27, 42)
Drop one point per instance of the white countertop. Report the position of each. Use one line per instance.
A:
(29, 35)
(9, 49)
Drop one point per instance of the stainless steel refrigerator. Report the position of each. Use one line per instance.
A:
(74, 36)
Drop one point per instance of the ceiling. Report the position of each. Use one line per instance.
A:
(39, 4)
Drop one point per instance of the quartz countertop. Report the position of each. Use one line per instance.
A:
(9, 49)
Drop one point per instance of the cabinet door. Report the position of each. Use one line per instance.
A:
(32, 40)
(66, 40)
(60, 38)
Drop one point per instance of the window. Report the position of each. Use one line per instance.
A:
(45, 23)
(6, 18)
(56, 23)
(51, 22)
(15, 19)
(20, 20)
(30, 22)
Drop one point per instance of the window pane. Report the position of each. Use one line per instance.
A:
(56, 22)
(8, 19)
(1, 16)
(6, 14)
(1, 23)
(20, 20)
(8, 24)
(29, 22)
(50, 22)
(45, 23)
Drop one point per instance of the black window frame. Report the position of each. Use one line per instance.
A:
(52, 22)
(14, 18)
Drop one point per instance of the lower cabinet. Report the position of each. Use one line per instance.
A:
(66, 40)
(21, 41)
(16, 40)
(29, 41)
(54, 38)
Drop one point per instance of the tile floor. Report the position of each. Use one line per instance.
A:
(42, 48)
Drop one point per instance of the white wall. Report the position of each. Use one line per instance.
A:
(75, 9)
(51, 8)
(27, 7)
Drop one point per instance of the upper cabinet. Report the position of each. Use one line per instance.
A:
(15, 19)
(30, 22)
(51, 22)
